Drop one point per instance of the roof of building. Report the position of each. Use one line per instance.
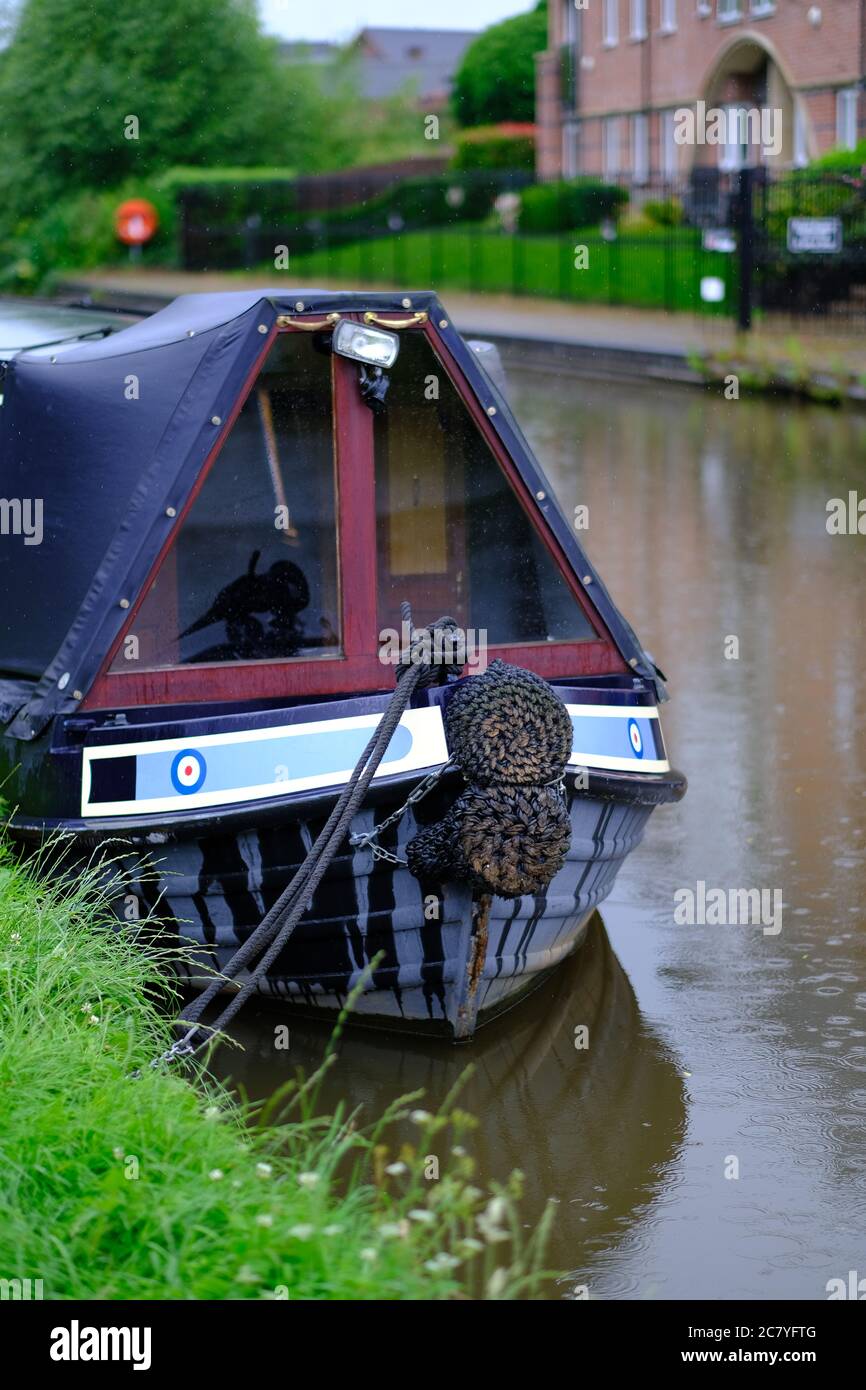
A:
(425, 58)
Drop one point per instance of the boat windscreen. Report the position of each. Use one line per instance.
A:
(452, 535)
(252, 573)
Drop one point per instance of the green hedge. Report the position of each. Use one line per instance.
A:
(506, 146)
(558, 207)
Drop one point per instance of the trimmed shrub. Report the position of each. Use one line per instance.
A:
(559, 207)
(663, 212)
(509, 145)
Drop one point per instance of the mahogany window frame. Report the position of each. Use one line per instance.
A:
(354, 668)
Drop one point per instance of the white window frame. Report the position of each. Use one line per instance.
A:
(704, 9)
(667, 16)
(611, 23)
(728, 11)
(640, 147)
(759, 9)
(638, 19)
(670, 149)
(570, 149)
(570, 23)
(612, 144)
(801, 140)
(846, 118)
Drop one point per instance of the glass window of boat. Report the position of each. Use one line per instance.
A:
(452, 536)
(253, 574)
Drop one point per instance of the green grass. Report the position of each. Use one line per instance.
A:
(647, 270)
(163, 1187)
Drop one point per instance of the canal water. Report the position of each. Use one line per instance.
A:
(709, 1141)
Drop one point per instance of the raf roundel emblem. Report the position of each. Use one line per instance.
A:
(188, 772)
(634, 737)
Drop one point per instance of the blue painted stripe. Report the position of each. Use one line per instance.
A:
(263, 761)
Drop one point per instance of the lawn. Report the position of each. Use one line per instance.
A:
(660, 271)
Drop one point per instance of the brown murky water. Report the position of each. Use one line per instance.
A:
(707, 1043)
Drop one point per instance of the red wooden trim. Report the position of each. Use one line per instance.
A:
(356, 509)
(265, 680)
(524, 496)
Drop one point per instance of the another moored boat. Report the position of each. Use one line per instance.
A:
(220, 510)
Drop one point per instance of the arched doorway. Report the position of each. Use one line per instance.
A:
(765, 124)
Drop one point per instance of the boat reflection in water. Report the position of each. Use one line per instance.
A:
(597, 1128)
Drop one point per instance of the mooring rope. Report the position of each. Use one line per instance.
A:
(278, 924)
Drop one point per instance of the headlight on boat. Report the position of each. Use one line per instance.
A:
(365, 344)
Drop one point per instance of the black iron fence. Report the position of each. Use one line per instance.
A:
(729, 244)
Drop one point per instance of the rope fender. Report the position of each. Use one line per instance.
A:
(509, 832)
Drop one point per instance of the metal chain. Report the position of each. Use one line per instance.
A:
(369, 840)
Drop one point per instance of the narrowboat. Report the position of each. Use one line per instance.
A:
(216, 520)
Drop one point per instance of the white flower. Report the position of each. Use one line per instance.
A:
(396, 1168)
(335, 1230)
(368, 1255)
(421, 1214)
(441, 1261)
(215, 1174)
(309, 1180)
(264, 1218)
(459, 1151)
(471, 1246)
(16, 936)
(496, 1283)
(302, 1232)
(490, 1221)
(420, 1117)
(212, 1112)
(393, 1229)
(264, 1170)
(94, 1018)
(86, 1008)
(118, 1152)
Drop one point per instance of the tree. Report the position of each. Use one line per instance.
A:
(496, 79)
(94, 94)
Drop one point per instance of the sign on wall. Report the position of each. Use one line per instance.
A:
(816, 234)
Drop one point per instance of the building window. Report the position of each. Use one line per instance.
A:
(668, 16)
(638, 19)
(704, 9)
(571, 149)
(670, 151)
(569, 23)
(611, 147)
(728, 10)
(640, 148)
(611, 23)
(846, 118)
(801, 142)
(759, 8)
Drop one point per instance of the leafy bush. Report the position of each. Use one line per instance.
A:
(663, 212)
(509, 145)
(841, 161)
(559, 207)
(496, 78)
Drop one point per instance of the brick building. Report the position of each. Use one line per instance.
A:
(616, 72)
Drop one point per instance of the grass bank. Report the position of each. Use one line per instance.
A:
(165, 1188)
